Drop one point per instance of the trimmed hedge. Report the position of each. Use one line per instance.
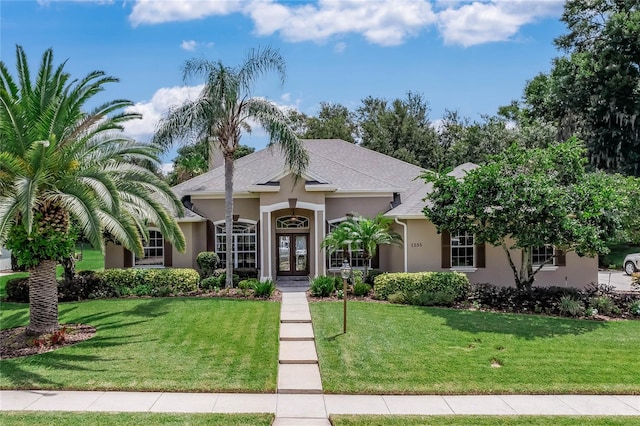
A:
(423, 287)
(157, 281)
(207, 261)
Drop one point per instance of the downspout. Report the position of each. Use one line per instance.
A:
(404, 246)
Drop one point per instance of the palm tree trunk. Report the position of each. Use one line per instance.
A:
(43, 298)
(228, 217)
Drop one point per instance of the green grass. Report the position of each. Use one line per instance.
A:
(617, 255)
(481, 420)
(413, 350)
(92, 260)
(161, 344)
(29, 418)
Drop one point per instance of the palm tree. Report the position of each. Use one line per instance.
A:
(368, 233)
(222, 111)
(60, 163)
(336, 240)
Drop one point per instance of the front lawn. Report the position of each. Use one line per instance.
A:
(29, 418)
(161, 344)
(414, 350)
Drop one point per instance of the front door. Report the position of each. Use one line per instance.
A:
(293, 258)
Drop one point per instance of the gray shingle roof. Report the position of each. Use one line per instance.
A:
(343, 165)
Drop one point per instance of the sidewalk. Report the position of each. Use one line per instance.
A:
(299, 399)
(319, 406)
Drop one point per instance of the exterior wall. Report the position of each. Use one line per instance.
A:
(340, 207)
(195, 235)
(424, 254)
(113, 256)
(246, 208)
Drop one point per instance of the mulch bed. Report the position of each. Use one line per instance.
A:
(15, 342)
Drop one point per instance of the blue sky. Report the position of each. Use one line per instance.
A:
(469, 56)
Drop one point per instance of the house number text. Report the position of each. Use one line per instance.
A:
(416, 245)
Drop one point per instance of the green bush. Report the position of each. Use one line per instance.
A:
(361, 289)
(234, 278)
(246, 273)
(85, 285)
(604, 305)
(397, 298)
(371, 276)
(263, 288)
(322, 286)
(430, 298)
(18, 290)
(635, 308)
(571, 307)
(454, 284)
(151, 281)
(210, 283)
(207, 262)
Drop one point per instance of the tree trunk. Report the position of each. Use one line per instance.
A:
(228, 216)
(69, 265)
(43, 298)
(526, 270)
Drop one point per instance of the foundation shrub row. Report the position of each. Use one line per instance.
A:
(422, 288)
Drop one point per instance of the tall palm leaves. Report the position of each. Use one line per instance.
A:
(362, 233)
(59, 162)
(223, 109)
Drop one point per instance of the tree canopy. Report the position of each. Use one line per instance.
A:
(594, 90)
(530, 198)
(223, 110)
(60, 163)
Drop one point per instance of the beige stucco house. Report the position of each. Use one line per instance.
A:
(278, 225)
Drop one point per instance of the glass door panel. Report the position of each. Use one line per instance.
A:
(284, 255)
(301, 253)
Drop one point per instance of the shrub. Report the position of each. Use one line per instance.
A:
(263, 288)
(603, 305)
(357, 277)
(635, 308)
(210, 283)
(154, 281)
(569, 306)
(397, 298)
(246, 273)
(322, 286)
(85, 285)
(246, 286)
(371, 276)
(234, 278)
(361, 289)
(512, 299)
(207, 262)
(18, 290)
(454, 283)
(430, 298)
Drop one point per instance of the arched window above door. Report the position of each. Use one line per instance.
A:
(292, 222)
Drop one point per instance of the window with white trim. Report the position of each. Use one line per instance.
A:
(153, 249)
(244, 244)
(356, 256)
(462, 250)
(543, 255)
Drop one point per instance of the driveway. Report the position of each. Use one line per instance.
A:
(618, 279)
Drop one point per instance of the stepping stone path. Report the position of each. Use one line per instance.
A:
(298, 370)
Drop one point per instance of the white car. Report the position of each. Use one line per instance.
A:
(632, 263)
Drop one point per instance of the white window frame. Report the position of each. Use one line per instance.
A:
(220, 247)
(456, 238)
(549, 266)
(146, 248)
(334, 260)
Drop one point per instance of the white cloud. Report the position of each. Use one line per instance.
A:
(385, 23)
(189, 45)
(166, 168)
(159, 11)
(153, 110)
(484, 22)
(340, 47)
(286, 97)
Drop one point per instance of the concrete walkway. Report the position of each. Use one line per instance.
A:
(299, 400)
